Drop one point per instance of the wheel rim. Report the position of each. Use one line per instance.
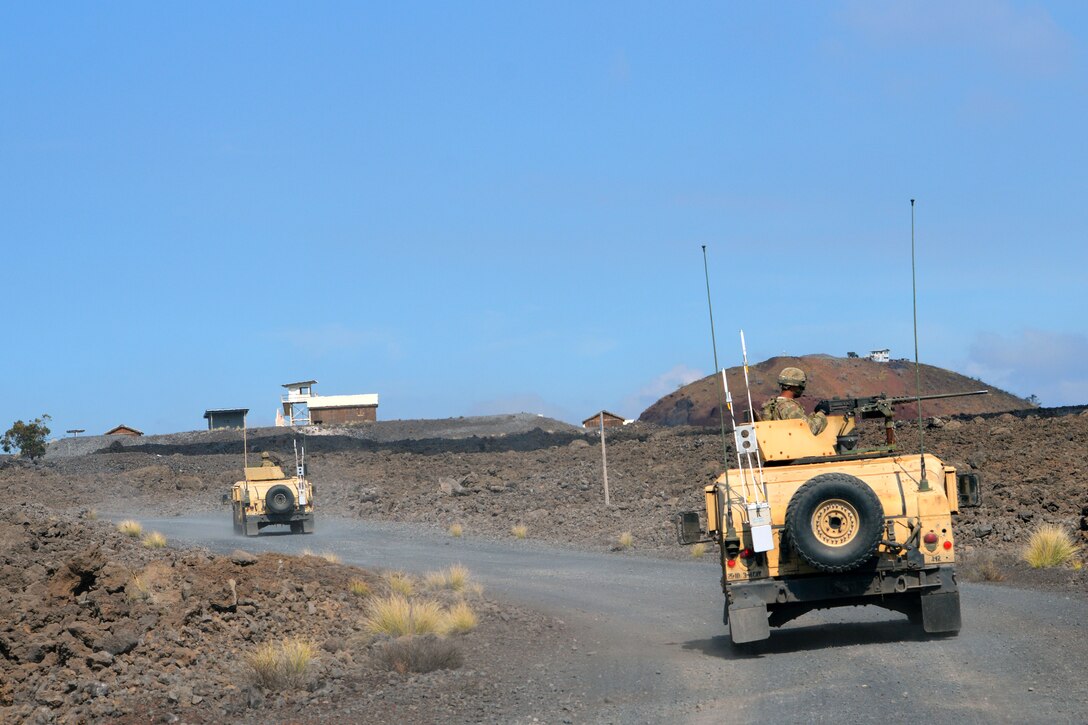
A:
(835, 522)
(280, 501)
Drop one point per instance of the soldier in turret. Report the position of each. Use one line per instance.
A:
(785, 406)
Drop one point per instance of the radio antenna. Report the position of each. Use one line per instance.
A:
(714, 345)
(721, 403)
(923, 485)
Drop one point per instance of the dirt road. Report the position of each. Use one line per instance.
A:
(647, 643)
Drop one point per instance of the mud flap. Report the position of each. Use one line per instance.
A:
(308, 524)
(748, 624)
(251, 528)
(941, 612)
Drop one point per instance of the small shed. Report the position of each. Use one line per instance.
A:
(226, 417)
(124, 430)
(611, 420)
(339, 409)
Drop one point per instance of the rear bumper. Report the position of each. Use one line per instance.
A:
(286, 518)
(932, 595)
(840, 589)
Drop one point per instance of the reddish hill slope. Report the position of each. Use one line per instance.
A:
(830, 377)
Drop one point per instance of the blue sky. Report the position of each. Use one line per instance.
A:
(494, 207)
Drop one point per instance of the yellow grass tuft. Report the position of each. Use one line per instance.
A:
(520, 531)
(697, 551)
(359, 588)
(434, 580)
(625, 540)
(455, 578)
(154, 540)
(306, 552)
(456, 530)
(92, 515)
(1077, 564)
(128, 527)
(282, 663)
(401, 583)
(331, 557)
(396, 616)
(138, 589)
(1049, 546)
(459, 619)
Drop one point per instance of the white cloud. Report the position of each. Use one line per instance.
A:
(659, 387)
(1051, 365)
(1022, 39)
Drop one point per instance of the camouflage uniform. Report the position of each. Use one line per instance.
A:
(780, 408)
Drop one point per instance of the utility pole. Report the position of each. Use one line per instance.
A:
(604, 460)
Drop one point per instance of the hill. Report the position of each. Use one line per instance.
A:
(831, 377)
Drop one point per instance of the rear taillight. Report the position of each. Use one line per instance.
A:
(930, 538)
(746, 553)
(731, 563)
(948, 544)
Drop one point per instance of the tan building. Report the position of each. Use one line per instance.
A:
(611, 420)
(303, 406)
(339, 409)
(124, 430)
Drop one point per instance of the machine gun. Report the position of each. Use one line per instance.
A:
(880, 406)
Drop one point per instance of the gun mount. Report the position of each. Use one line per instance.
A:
(880, 406)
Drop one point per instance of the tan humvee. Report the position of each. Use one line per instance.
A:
(831, 526)
(267, 497)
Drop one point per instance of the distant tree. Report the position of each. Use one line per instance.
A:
(27, 438)
(1033, 399)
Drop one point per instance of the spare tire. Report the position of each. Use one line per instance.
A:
(835, 522)
(280, 499)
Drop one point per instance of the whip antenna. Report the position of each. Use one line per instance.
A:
(714, 345)
(923, 485)
(730, 535)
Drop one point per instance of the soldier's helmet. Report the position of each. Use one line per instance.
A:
(792, 378)
(265, 456)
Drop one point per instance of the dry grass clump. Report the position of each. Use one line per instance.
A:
(282, 663)
(154, 540)
(520, 531)
(401, 583)
(138, 589)
(454, 578)
(456, 530)
(92, 515)
(331, 557)
(984, 568)
(1049, 546)
(459, 619)
(128, 527)
(625, 540)
(420, 654)
(698, 550)
(359, 588)
(396, 616)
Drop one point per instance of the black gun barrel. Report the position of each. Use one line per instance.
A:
(878, 405)
(909, 398)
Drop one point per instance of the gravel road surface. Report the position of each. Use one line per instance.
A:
(648, 644)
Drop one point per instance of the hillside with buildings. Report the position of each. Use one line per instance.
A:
(831, 377)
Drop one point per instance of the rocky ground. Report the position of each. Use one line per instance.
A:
(95, 627)
(80, 641)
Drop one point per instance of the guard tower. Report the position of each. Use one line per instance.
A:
(296, 408)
